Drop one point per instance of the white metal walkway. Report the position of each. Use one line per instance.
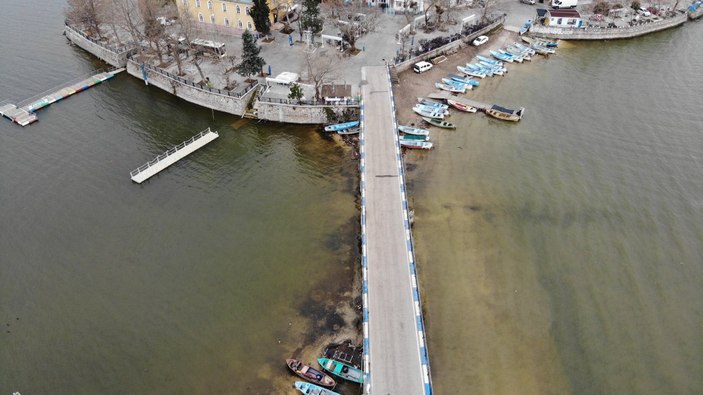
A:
(173, 155)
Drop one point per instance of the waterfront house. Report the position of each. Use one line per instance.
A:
(231, 16)
(562, 18)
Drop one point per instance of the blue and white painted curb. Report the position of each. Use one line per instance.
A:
(364, 268)
(424, 358)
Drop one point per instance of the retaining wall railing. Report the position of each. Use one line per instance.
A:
(191, 84)
(123, 50)
(598, 33)
(461, 41)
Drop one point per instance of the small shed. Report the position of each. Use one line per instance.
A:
(285, 78)
(563, 18)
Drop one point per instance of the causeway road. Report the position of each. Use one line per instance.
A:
(395, 341)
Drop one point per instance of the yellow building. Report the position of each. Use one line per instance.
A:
(232, 15)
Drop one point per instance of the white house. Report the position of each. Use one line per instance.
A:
(563, 18)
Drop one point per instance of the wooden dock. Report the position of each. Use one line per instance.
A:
(24, 114)
(462, 100)
(173, 155)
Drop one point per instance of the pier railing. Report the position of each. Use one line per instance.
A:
(171, 152)
(607, 33)
(121, 50)
(192, 84)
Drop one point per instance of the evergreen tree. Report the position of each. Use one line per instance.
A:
(296, 92)
(251, 61)
(311, 16)
(260, 14)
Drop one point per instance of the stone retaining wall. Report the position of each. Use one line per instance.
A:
(116, 57)
(290, 113)
(449, 48)
(695, 14)
(226, 103)
(607, 33)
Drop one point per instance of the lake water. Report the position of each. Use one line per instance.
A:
(559, 255)
(201, 280)
(564, 254)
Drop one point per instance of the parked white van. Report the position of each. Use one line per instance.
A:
(421, 67)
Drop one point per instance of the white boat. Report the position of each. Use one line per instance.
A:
(416, 144)
(470, 72)
(413, 130)
(458, 84)
(438, 110)
(431, 103)
(450, 88)
(461, 106)
(428, 114)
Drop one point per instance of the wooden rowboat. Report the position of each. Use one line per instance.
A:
(342, 370)
(461, 106)
(439, 123)
(310, 374)
(505, 114)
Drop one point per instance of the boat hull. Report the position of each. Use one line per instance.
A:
(308, 373)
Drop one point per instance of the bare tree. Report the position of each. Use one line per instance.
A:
(86, 13)
(187, 29)
(127, 16)
(487, 9)
(321, 68)
(153, 30)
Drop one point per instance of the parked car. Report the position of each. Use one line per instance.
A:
(480, 40)
(644, 12)
(164, 21)
(421, 67)
(530, 2)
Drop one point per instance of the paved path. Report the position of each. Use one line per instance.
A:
(392, 324)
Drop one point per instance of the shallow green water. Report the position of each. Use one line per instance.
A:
(201, 280)
(564, 254)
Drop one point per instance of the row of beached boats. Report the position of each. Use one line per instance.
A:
(319, 383)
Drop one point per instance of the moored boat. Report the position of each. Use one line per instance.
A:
(312, 389)
(458, 84)
(489, 60)
(431, 103)
(439, 123)
(470, 72)
(439, 110)
(525, 27)
(459, 78)
(505, 114)
(346, 132)
(524, 48)
(450, 88)
(501, 56)
(428, 114)
(416, 144)
(413, 130)
(461, 106)
(310, 374)
(341, 369)
(414, 137)
(341, 126)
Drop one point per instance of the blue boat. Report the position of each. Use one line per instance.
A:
(312, 389)
(489, 60)
(341, 126)
(501, 56)
(470, 72)
(459, 84)
(464, 80)
(525, 27)
(430, 103)
(516, 58)
(479, 68)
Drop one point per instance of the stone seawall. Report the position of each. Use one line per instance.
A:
(290, 113)
(116, 57)
(560, 33)
(228, 102)
(448, 48)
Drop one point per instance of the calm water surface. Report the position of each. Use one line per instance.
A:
(564, 254)
(197, 281)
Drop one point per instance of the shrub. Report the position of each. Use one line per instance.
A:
(601, 7)
(635, 5)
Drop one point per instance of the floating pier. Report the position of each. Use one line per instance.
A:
(173, 155)
(23, 114)
(468, 102)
